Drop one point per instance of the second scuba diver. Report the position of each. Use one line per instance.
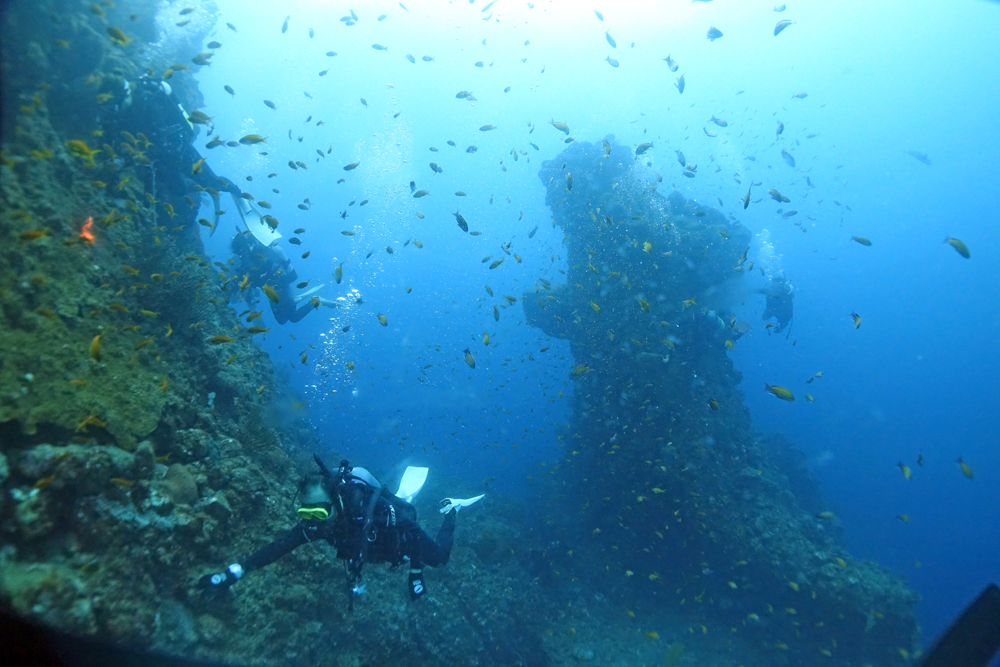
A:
(364, 521)
(264, 264)
(780, 294)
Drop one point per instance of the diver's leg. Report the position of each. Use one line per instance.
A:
(281, 311)
(436, 552)
(301, 312)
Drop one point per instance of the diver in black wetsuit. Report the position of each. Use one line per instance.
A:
(366, 523)
(268, 265)
(780, 294)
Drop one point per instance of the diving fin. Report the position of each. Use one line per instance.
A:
(255, 223)
(413, 480)
(309, 292)
(449, 504)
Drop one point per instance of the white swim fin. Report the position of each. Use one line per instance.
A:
(449, 504)
(309, 292)
(413, 480)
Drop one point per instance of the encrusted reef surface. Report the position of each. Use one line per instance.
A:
(699, 518)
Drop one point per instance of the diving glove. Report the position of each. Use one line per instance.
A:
(222, 580)
(449, 504)
(416, 584)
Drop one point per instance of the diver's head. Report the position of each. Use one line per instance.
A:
(315, 501)
(241, 246)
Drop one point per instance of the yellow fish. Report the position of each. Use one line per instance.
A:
(780, 392)
(907, 473)
(644, 305)
(95, 348)
(80, 149)
(579, 370)
(596, 308)
(382, 320)
(966, 470)
(469, 359)
(857, 319)
(117, 36)
(647, 246)
(959, 247)
(271, 294)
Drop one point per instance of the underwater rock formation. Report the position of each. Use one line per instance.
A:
(682, 506)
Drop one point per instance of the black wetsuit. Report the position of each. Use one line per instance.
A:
(392, 543)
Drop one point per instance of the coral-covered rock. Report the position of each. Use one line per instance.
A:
(179, 485)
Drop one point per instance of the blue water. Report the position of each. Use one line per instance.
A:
(918, 376)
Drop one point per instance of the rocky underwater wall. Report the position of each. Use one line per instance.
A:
(677, 505)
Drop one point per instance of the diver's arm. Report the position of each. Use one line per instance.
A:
(264, 556)
(294, 538)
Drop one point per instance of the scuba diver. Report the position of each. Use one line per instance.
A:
(150, 103)
(779, 293)
(264, 265)
(365, 522)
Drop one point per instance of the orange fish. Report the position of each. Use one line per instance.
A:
(85, 232)
(45, 481)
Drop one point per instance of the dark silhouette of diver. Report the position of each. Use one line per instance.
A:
(261, 265)
(364, 521)
(780, 294)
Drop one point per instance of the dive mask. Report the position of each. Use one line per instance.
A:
(314, 512)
